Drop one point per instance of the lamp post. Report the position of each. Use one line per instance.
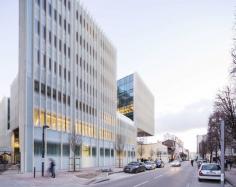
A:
(43, 147)
(222, 152)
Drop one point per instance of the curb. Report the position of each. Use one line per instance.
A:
(98, 179)
(111, 173)
(230, 181)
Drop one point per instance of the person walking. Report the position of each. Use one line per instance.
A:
(52, 168)
(192, 163)
(230, 164)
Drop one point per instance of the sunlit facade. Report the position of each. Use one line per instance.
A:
(136, 102)
(67, 81)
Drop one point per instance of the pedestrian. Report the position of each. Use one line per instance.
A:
(230, 164)
(192, 162)
(52, 168)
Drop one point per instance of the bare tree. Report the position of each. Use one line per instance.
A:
(75, 145)
(120, 146)
(226, 105)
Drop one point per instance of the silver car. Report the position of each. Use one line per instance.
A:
(210, 171)
(175, 163)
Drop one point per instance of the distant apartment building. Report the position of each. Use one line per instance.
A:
(67, 81)
(175, 146)
(136, 102)
(153, 151)
(200, 138)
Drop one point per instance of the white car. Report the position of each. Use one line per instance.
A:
(175, 163)
(209, 171)
(150, 165)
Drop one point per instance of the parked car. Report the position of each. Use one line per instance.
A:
(175, 163)
(134, 167)
(160, 164)
(209, 171)
(199, 162)
(150, 165)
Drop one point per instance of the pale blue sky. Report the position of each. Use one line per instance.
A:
(181, 48)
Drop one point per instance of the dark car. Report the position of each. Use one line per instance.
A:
(160, 164)
(134, 167)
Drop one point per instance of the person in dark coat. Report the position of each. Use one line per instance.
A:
(52, 168)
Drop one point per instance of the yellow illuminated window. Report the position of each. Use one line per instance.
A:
(89, 131)
(36, 117)
(42, 118)
(67, 125)
(86, 150)
(79, 128)
(54, 121)
(59, 123)
(83, 129)
(86, 130)
(63, 124)
(48, 119)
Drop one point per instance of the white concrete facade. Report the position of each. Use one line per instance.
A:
(126, 129)
(137, 102)
(67, 80)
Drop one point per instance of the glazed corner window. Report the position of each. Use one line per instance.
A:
(36, 86)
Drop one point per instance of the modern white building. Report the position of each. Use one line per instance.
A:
(126, 140)
(153, 151)
(67, 81)
(137, 102)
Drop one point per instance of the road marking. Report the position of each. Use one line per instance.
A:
(141, 184)
(158, 176)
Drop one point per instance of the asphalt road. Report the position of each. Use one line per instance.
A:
(184, 176)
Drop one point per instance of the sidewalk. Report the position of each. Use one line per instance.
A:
(63, 179)
(231, 176)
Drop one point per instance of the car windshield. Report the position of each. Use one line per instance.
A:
(133, 163)
(148, 162)
(210, 167)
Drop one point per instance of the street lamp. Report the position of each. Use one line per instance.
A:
(43, 147)
(222, 154)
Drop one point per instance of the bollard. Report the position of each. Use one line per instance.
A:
(34, 172)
